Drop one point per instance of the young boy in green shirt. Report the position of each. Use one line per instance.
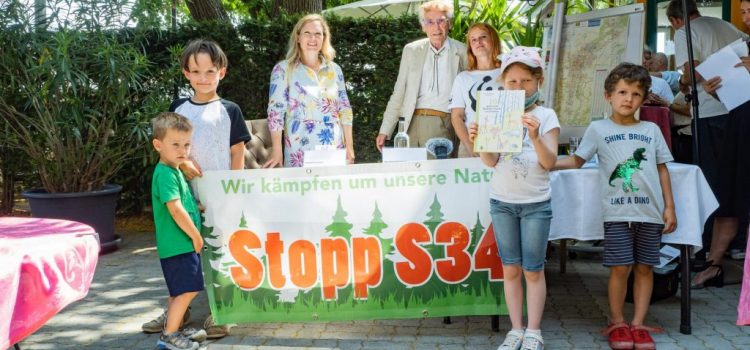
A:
(176, 217)
(219, 135)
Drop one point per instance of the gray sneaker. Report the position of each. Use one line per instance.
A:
(194, 334)
(532, 342)
(176, 341)
(513, 340)
(157, 325)
(213, 330)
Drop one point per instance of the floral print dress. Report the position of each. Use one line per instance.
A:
(309, 107)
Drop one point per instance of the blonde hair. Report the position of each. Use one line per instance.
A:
(169, 121)
(437, 5)
(293, 54)
(494, 39)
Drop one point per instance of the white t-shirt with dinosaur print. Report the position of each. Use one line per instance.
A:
(628, 155)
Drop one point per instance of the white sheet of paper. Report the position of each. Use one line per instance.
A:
(325, 157)
(667, 254)
(404, 154)
(734, 80)
(739, 47)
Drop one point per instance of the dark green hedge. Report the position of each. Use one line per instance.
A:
(368, 51)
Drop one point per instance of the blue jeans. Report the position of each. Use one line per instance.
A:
(521, 232)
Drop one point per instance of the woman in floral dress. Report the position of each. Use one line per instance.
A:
(308, 104)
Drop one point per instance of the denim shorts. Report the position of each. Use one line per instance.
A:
(521, 232)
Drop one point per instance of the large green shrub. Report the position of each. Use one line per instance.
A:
(368, 51)
(73, 98)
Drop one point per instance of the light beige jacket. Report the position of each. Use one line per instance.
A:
(405, 92)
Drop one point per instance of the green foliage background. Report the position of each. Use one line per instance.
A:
(368, 51)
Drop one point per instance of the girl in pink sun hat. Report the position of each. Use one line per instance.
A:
(520, 199)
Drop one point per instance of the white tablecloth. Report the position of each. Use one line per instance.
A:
(577, 208)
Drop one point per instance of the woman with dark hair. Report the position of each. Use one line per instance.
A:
(482, 52)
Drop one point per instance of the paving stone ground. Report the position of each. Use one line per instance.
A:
(128, 290)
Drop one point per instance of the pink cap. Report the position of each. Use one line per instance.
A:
(526, 55)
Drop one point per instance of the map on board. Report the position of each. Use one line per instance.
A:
(590, 48)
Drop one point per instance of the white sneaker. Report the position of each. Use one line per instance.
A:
(532, 341)
(513, 340)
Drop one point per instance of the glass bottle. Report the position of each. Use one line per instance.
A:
(401, 140)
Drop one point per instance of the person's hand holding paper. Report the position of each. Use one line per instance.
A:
(729, 76)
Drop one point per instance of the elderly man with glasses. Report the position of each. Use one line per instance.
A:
(425, 79)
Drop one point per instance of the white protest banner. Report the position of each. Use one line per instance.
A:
(396, 240)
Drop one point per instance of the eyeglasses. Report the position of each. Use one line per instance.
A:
(431, 22)
(309, 35)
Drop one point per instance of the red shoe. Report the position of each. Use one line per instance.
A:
(642, 339)
(619, 336)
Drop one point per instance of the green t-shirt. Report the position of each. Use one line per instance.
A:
(169, 184)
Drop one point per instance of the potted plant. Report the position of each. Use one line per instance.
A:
(72, 96)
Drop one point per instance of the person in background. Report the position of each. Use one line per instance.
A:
(483, 52)
(520, 200)
(715, 133)
(682, 132)
(308, 104)
(743, 307)
(647, 55)
(660, 93)
(638, 202)
(425, 78)
(659, 67)
(718, 139)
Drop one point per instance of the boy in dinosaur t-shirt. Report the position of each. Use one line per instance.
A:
(638, 203)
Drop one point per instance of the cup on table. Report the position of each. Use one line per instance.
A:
(573, 143)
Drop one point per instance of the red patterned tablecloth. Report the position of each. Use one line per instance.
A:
(45, 264)
(660, 116)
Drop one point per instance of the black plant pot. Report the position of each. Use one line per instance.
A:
(96, 209)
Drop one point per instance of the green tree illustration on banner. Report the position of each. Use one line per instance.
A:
(243, 222)
(434, 219)
(478, 280)
(377, 225)
(341, 228)
(389, 282)
(476, 234)
(434, 216)
(212, 254)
